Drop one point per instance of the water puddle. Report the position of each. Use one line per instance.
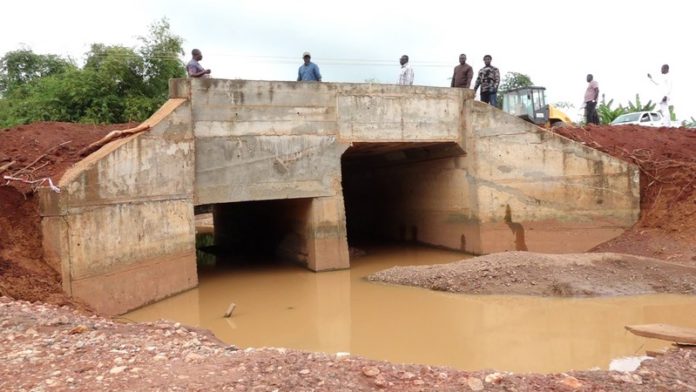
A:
(288, 306)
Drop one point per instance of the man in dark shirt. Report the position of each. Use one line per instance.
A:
(488, 79)
(463, 74)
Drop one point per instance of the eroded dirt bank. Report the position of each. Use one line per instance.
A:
(34, 152)
(667, 161)
(45, 347)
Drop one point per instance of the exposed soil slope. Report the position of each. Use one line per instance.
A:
(33, 152)
(667, 161)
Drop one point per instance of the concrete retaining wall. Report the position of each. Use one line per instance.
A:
(539, 191)
(122, 228)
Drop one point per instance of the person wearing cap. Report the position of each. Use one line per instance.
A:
(308, 71)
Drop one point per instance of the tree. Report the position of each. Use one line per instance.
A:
(160, 52)
(514, 80)
(19, 67)
(117, 84)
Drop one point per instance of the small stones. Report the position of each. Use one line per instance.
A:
(475, 383)
(571, 382)
(630, 378)
(494, 378)
(406, 375)
(117, 369)
(191, 357)
(79, 329)
(370, 371)
(160, 357)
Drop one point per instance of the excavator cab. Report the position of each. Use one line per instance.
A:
(528, 103)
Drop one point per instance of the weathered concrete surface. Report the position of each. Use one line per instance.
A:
(122, 228)
(279, 140)
(275, 140)
(304, 165)
(538, 191)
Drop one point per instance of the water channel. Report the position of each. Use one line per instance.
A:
(289, 306)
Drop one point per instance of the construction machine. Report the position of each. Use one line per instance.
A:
(529, 103)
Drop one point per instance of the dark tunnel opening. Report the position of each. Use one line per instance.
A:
(398, 191)
(259, 232)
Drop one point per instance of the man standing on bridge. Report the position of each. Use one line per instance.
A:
(488, 79)
(406, 73)
(463, 74)
(194, 68)
(308, 72)
(591, 95)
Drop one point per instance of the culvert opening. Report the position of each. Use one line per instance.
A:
(260, 232)
(402, 192)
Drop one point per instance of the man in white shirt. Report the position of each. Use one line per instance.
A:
(406, 74)
(664, 84)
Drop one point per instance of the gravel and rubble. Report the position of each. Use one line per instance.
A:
(566, 275)
(47, 347)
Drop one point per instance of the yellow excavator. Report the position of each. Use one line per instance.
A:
(529, 103)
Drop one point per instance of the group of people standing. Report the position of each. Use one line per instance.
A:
(488, 77)
(488, 80)
(664, 84)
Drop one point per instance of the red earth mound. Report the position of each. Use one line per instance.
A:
(34, 152)
(667, 161)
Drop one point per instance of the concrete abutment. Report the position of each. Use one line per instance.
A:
(301, 169)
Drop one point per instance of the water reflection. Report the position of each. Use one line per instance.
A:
(287, 306)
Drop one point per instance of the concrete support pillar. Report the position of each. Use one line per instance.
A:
(327, 242)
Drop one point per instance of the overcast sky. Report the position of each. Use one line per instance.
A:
(556, 43)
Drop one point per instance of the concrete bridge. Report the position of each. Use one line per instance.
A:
(302, 169)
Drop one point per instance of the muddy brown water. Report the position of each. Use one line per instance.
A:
(288, 306)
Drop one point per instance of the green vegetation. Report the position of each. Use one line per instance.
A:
(607, 114)
(116, 84)
(690, 123)
(514, 80)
